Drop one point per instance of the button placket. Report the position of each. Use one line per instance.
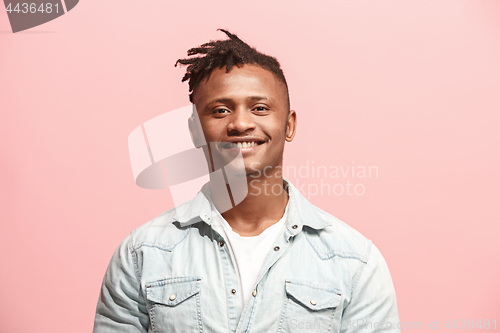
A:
(230, 279)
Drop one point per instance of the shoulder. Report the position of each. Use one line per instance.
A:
(338, 239)
(162, 232)
(329, 236)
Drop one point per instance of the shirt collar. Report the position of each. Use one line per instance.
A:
(301, 211)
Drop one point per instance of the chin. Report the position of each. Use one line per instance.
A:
(252, 173)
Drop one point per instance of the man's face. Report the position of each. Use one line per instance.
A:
(245, 109)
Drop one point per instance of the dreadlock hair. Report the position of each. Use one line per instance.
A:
(229, 52)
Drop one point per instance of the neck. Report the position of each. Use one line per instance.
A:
(263, 206)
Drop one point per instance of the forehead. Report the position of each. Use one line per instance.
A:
(241, 82)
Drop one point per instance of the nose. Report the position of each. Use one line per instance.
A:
(241, 121)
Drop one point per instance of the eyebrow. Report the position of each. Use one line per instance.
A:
(250, 98)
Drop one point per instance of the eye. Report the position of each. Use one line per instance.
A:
(261, 109)
(220, 111)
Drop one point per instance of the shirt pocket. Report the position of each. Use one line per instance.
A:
(310, 307)
(175, 305)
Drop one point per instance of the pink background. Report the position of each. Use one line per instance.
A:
(412, 87)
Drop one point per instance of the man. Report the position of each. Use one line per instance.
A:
(269, 261)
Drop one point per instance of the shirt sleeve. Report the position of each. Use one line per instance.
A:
(121, 306)
(373, 305)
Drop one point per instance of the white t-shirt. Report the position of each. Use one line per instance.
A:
(248, 253)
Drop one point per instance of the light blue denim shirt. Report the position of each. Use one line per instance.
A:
(175, 274)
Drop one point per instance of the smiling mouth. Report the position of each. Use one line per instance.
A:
(241, 145)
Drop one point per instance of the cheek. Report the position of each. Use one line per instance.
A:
(212, 130)
(278, 131)
(274, 127)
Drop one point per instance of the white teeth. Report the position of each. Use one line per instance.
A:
(243, 144)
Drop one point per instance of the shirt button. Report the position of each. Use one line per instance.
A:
(294, 226)
(313, 302)
(276, 248)
(233, 291)
(221, 243)
(254, 293)
(172, 297)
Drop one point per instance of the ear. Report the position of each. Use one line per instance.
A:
(195, 129)
(291, 125)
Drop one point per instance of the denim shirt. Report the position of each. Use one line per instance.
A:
(175, 274)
